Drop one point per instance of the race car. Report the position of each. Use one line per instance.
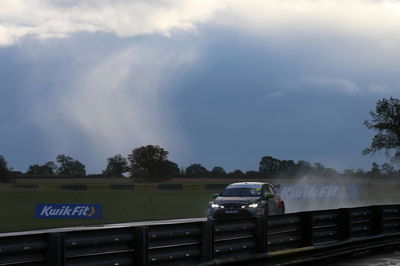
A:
(246, 199)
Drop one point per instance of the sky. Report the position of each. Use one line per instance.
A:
(220, 83)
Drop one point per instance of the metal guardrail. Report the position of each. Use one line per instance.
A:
(281, 239)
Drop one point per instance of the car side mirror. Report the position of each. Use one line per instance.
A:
(269, 196)
(215, 195)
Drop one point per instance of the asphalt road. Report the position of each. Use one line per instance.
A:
(387, 258)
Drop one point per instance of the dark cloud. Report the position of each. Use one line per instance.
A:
(249, 99)
(225, 94)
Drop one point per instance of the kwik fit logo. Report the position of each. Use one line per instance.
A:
(69, 211)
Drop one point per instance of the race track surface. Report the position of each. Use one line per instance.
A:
(378, 259)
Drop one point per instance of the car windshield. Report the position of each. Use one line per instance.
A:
(241, 192)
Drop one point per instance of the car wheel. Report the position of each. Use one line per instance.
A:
(282, 210)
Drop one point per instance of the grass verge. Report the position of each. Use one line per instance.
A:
(18, 207)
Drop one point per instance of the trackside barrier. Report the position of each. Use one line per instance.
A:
(284, 232)
(277, 240)
(122, 186)
(389, 219)
(25, 186)
(235, 237)
(74, 186)
(110, 247)
(24, 250)
(329, 226)
(175, 244)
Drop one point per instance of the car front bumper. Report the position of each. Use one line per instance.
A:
(232, 213)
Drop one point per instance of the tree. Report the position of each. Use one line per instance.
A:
(349, 172)
(252, 174)
(303, 166)
(196, 170)
(51, 165)
(360, 172)
(236, 174)
(287, 167)
(269, 166)
(330, 172)
(375, 170)
(4, 171)
(70, 167)
(319, 168)
(386, 122)
(116, 166)
(150, 163)
(172, 169)
(48, 168)
(218, 171)
(272, 167)
(387, 169)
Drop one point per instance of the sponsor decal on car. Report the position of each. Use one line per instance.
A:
(68, 211)
(318, 191)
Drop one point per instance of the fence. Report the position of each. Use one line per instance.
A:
(275, 239)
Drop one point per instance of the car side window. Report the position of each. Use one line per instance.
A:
(271, 190)
(265, 190)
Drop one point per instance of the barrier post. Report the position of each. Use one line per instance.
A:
(377, 216)
(344, 223)
(141, 244)
(261, 231)
(207, 241)
(56, 255)
(306, 229)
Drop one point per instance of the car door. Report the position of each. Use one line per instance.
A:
(273, 203)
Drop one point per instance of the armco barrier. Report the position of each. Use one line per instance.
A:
(215, 186)
(110, 247)
(277, 240)
(175, 244)
(235, 237)
(74, 186)
(122, 186)
(285, 232)
(170, 186)
(25, 186)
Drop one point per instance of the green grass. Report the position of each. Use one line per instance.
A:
(18, 207)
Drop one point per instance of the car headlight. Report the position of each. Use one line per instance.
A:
(253, 205)
(216, 206)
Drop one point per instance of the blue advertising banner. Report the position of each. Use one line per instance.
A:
(68, 211)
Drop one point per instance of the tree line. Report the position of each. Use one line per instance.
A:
(150, 163)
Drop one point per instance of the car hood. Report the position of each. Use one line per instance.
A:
(247, 200)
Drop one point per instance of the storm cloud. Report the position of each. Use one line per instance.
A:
(216, 82)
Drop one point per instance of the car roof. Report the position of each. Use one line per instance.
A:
(248, 184)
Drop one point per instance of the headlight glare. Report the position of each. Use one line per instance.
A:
(253, 205)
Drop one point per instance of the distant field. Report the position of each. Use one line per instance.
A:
(18, 207)
(74, 181)
(128, 181)
(196, 180)
(146, 202)
(140, 204)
